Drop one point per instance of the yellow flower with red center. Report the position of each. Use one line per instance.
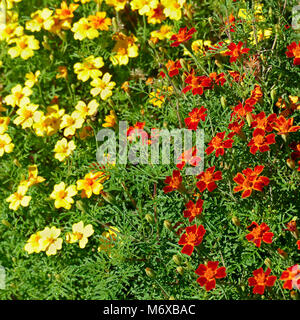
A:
(19, 198)
(80, 233)
(63, 149)
(110, 120)
(24, 47)
(33, 177)
(26, 115)
(87, 109)
(117, 4)
(71, 122)
(5, 144)
(124, 49)
(63, 196)
(156, 15)
(91, 184)
(50, 241)
(99, 21)
(66, 12)
(19, 96)
(89, 68)
(102, 87)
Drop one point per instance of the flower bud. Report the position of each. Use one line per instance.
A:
(268, 262)
(6, 223)
(177, 259)
(180, 270)
(167, 224)
(79, 205)
(273, 94)
(149, 218)
(223, 102)
(218, 63)
(17, 163)
(171, 298)
(249, 118)
(150, 273)
(294, 295)
(236, 221)
(290, 163)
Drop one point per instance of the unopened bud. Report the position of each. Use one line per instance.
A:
(177, 259)
(268, 262)
(290, 163)
(107, 197)
(223, 102)
(79, 205)
(273, 94)
(17, 163)
(180, 270)
(218, 63)
(150, 273)
(284, 137)
(171, 298)
(294, 295)
(236, 221)
(114, 25)
(149, 218)
(183, 64)
(167, 224)
(6, 223)
(249, 118)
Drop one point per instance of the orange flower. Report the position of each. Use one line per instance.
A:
(190, 157)
(218, 144)
(294, 52)
(284, 126)
(182, 36)
(66, 12)
(193, 209)
(260, 141)
(192, 237)
(249, 181)
(209, 273)
(195, 116)
(259, 233)
(173, 67)
(208, 178)
(99, 21)
(260, 121)
(235, 51)
(261, 280)
(174, 182)
(291, 277)
(236, 128)
(196, 83)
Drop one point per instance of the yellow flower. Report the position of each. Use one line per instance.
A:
(108, 237)
(91, 184)
(80, 233)
(32, 78)
(63, 149)
(173, 8)
(5, 144)
(143, 6)
(156, 15)
(33, 243)
(99, 21)
(89, 68)
(10, 3)
(71, 123)
(87, 110)
(124, 49)
(82, 29)
(10, 30)
(262, 34)
(156, 98)
(102, 86)
(63, 196)
(165, 32)
(82, 1)
(62, 72)
(19, 198)
(26, 114)
(4, 121)
(50, 241)
(19, 96)
(24, 47)
(110, 120)
(117, 4)
(40, 19)
(33, 177)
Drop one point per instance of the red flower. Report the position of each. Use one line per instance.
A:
(236, 128)
(208, 178)
(173, 67)
(260, 141)
(218, 144)
(182, 36)
(209, 273)
(259, 233)
(284, 126)
(190, 157)
(192, 238)
(194, 117)
(256, 93)
(298, 244)
(235, 51)
(196, 83)
(193, 209)
(261, 280)
(237, 77)
(174, 181)
(136, 131)
(249, 181)
(260, 121)
(241, 112)
(294, 52)
(291, 277)
(218, 79)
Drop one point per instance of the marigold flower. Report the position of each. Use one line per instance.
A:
(33, 177)
(193, 209)
(294, 52)
(65, 12)
(298, 244)
(24, 47)
(82, 29)
(62, 72)
(40, 19)
(89, 68)
(32, 78)
(4, 121)
(10, 31)
(33, 244)
(174, 182)
(209, 273)
(156, 99)
(236, 128)
(259, 233)
(19, 198)
(284, 126)
(91, 184)
(189, 156)
(235, 51)
(26, 115)
(102, 87)
(192, 237)
(71, 122)
(80, 233)
(63, 149)
(110, 120)
(6, 146)
(173, 8)
(291, 277)
(143, 6)
(19, 96)
(117, 4)
(50, 241)
(173, 67)
(165, 32)
(261, 280)
(63, 196)
(195, 116)
(183, 35)
(250, 180)
(260, 141)
(87, 109)
(99, 21)
(207, 179)
(156, 15)
(107, 240)
(218, 144)
(261, 121)
(196, 83)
